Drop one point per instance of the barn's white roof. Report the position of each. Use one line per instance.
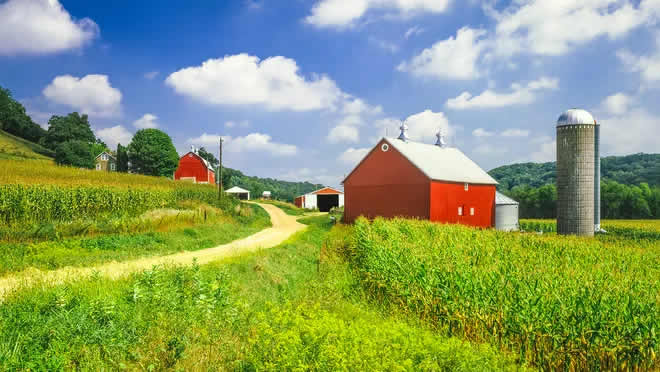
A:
(237, 190)
(442, 163)
(501, 199)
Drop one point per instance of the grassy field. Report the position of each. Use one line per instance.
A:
(639, 230)
(12, 147)
(556, 302)
(284, 308)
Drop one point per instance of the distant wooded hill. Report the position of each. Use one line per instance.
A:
(627, 170)
(281, 190)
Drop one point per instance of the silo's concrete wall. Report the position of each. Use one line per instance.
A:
(575, 179)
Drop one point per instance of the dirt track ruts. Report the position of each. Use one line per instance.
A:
(284, 226)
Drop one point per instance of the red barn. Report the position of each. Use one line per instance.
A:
(408, 179)
(193, 167)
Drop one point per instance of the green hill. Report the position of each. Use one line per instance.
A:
(281, 190)
(628, 170)
(12, 147)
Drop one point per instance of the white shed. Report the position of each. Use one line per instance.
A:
(506, 213)
(266, 195)
(323, 199)
(240, 193)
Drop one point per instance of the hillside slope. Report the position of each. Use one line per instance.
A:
(12, 147)
(281, 190)
(628, 170)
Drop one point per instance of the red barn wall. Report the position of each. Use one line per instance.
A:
(192, 166)
(299, 201)
(447, 197)
(386, 184)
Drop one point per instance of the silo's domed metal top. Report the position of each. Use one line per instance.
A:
(575, 117)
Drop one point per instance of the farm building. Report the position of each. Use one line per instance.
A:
(195, 168)
(323, 199)
(506, 213)
(266, 195)
(105, 161)
(399, 177)
(240, 193)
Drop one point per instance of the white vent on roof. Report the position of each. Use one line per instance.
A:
(404, 132)
(441, 139)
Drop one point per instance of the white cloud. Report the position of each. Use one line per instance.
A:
(546, 151)
(617, 104)
(425, 125)
(519, 95)
(41, 27)
(274, 83)
(151, 75)
(345, 13)
(630, 133)
(352, 155)
(481, 132)
(647, 66)
(384, 44)
(91, 94)
(555, 27)
(114, 135)
(413, 31)
(343, 133)
(146, 121)
(515, 133)
(234, 124)
(489, 149)
(253, 142)
(453, 58)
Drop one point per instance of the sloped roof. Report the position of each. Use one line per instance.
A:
(107, 153)
(326, 188)
(204, 161)
(501, 199)
(440, 163)
(237, 190)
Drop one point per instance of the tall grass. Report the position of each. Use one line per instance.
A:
(632, 229)
(558, 302)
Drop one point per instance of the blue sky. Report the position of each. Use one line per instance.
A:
(302, 89)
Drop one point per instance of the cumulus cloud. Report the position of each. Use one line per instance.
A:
(234, 124)
(630, 132)
(41, 27)
(92, 94)
(345, 13)
(647, 66)
(274, 83)
(151, 75)
(343, 133)
(515, 133)
(146, 121)
(352, 155)
(253, 142)
(425, 125)
(453, 58)
(481, 132)
(114, 135)
(555, 27)
(413, 31)
(617, 104)
(546, 151)
(519, 95)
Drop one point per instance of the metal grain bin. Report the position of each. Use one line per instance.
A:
(506, 213)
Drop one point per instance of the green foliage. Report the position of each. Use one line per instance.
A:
(281, 190)
(307, 337)
(288, 208)
(151, 152)
(72, 127)
(557, 302)
(122, 159)
(101, 323)
(75, 153)
(634, 230)
(14, 119)
(208, 156)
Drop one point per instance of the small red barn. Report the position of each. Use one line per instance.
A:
(193, 167)
(324, 199)
(410, 179)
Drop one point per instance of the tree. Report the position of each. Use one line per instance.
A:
(72, 127)
(122, 159)
(74, 153)
(152, 152)
(208, 156)
(14, 119)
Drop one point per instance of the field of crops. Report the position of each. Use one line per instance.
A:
(556, 302)
(632, 229)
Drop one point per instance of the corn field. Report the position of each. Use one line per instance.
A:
(558, 303)
(632, 229)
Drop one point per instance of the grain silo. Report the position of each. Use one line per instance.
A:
(506, 213)
(576, 173)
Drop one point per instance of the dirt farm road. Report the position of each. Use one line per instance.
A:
(284, 226)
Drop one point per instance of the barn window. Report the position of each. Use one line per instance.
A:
(472, 211)
(104, 157)
(385, 147)
(466, 186)
(460, 211)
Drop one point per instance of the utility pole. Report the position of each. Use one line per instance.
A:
(220, 170)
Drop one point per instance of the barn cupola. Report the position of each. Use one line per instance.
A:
(440, 142)
(404, 132)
